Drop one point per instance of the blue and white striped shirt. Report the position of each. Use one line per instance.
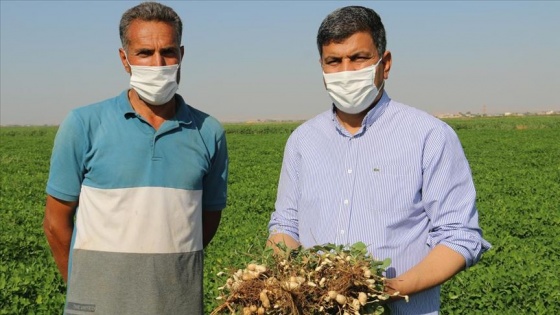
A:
(401, 185)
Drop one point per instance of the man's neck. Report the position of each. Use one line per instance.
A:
(353, 122)
(155, 115)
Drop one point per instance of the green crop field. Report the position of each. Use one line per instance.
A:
(516, 167)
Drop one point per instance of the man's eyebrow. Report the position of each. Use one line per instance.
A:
(329, 58)
(169, 49)
(362, 53)
(143, 50)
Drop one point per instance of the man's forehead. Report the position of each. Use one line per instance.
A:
(146, 32)
(356, 43)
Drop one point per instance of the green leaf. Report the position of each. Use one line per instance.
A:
(386, 263)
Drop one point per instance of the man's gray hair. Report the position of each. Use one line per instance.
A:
(149, 11)
(345, 22)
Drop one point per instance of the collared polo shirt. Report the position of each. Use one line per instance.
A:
(137, 244)
(401, 185)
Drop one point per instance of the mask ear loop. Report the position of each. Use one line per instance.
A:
(383, 82)
(180, 59)
(126, 57)
(381, 86)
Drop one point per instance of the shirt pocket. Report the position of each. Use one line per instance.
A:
(390, 188)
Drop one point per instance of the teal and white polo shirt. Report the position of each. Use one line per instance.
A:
(137, 245)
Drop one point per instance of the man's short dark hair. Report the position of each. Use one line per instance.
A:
(345, 22)
(150, 11)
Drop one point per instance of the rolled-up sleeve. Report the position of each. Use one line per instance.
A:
(285, 217)
(449, 196)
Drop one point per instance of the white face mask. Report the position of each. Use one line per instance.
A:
(353, 91)
(155, 85)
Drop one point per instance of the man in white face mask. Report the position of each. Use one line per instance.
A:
(149, 174)
(375, 171)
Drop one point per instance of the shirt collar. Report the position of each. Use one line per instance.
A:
(182, 116)
(124, 106)
(377, 110)
(370, 117)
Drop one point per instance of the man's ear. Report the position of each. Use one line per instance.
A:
(122, 56)
(387, 62)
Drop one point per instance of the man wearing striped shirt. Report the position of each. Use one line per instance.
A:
(376, 171)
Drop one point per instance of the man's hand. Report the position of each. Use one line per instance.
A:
(210, 223)
(285, 239)
(441, 264)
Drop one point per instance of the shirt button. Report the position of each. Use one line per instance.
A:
(349, 171)
(346, 201)
(341, 232)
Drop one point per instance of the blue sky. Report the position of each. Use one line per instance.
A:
(247, 60)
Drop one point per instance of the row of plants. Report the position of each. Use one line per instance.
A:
(516, 172)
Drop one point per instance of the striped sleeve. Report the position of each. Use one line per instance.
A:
(285, 218)
(449, 196)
